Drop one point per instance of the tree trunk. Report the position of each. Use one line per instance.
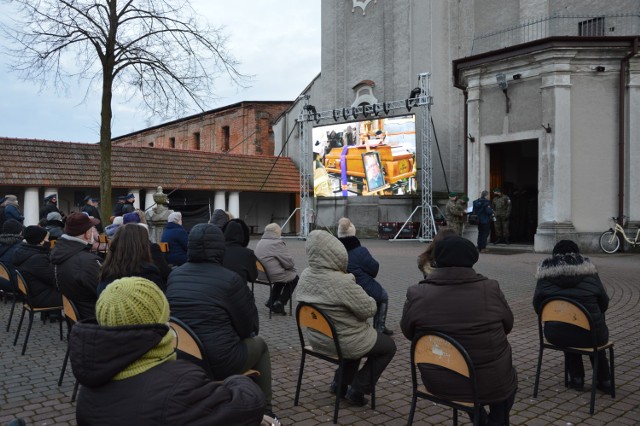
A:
(106, 115)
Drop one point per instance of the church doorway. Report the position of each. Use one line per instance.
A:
(514, 169)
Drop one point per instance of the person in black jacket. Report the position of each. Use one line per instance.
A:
(157, 255)
(54, 225)
(218, 305)
(10, 240)
(127, 366)
(237, 256)
(50, 205)
(482, 208)
(91, 208)
(569, 274)
(76, 268)
(31, 258)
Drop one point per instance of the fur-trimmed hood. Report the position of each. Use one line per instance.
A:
(565, 266)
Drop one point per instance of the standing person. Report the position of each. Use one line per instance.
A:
(569, 274)
(277, 260)
(10, 240)
(128, 206)
(2, 207)
(326, 284)
(177, 237)
(12, 209)
(501, 206)
(365, 269)
(472, 309)
(237, 256)
(91, 208)
(50, 205)
(117, 209)
(129, 255)
(31, 258)
(218, 306)
(454, 213)
(126, 363)
(463, 202)
(75, 266)
(482, 208)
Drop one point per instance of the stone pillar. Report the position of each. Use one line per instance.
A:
(158, 215)
(136, 193)
(148, 199)
(477, 179)
(632, 185)
(31, 206)
(219, 200)
(234, 203)
(554, 163)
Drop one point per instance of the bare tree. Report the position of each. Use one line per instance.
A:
(155, 48)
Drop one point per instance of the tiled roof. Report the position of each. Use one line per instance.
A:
(28, 162)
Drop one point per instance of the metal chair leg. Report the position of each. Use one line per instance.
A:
(15, 341)
(612, 373)
(64, 366)
(75, 392)
(295, 400)
(26, 338)
(13, 307)
(537, 382)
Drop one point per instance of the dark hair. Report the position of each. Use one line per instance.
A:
(565, 246)
(427, 256)
(128, 251)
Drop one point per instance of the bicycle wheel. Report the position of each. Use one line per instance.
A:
(609, 241)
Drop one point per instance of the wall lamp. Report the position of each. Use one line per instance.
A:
(547, 128)
(471, 138)
(503, 85)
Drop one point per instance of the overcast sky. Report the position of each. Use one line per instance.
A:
(276, 41)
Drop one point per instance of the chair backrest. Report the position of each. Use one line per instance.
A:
(562, 309)
(22, 285)
(70, 311)
(435, 348)
(187, 342)
(311, 317)
(5, 273)
(260, 267)
(164, 246)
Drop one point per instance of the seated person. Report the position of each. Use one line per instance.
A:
(177, 237)
(218, 306)
(568, 274)
(471, 309)
(137, 216)
(326, 284)
(277, 260)
(237, 256)
(129, 374)
(10, 240)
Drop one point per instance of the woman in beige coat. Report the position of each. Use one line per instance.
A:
(327, 285)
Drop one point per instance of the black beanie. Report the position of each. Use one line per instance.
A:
(455, 251)
(565, 246)
(12, 226)
(34, 234)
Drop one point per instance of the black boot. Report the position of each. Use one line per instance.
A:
(380, 318)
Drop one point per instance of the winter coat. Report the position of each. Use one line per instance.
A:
(214, 301)
(110, 230)
(326, 284)
(453, 211)
(575, 277)
(275, 257)
(172, 393)
(482, 207)
(55, 228)
(147, 270)
(177, 238)
(77, 271)
(94, 212)
(471, 309)
(237, 256)
(501, 205)
(12, 212)
(364, 268)
(9, 243)
(128, 207)
(159, 260)
(33, 263)
(49, 207)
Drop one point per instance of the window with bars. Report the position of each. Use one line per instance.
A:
(591, 27)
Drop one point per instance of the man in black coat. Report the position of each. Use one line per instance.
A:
(76, 268)
(237, 256)
(218, 305)
(50, 205)
(91, 208)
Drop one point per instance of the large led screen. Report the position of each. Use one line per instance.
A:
(368, 157)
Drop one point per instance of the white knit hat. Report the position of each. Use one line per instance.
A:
(174, 217)
(346, 228)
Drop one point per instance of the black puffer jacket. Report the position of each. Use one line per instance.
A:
(77, 272)
(172, 393)
(214, 301)
(237, 256)
(33, 263)
(9, 243)
(575, 277)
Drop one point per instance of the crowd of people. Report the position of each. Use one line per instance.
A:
(122, 350)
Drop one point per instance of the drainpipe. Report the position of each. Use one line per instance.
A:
(466, 143)
(624, 65)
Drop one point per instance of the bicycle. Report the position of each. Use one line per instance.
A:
(610, 239)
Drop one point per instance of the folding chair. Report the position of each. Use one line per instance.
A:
(7, 275)
(270, 283)
(189, 346)
(562, 309)
(71, 317)
(309, 316)
(164, 247)
(103, 244)
(28, 306)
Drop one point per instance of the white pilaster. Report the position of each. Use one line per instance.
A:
(136, 193)
(148, 198)
(219, 200)
(31, 206)
(632, 190)
(234, 203)
(477, 181)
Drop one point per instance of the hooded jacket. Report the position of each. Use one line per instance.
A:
(176, 392)
(364, 268)
(214, 301)
(9, 243)
(275, 257)
(575, 277)
(326, 284)
(33, 263)
(178, 240)
(471, 309)
(77, 273)
(237, 256)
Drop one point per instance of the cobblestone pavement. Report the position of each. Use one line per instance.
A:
(28, 385)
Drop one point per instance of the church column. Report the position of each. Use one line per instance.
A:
(234, 203)
(31, 206)
(478, 180)
(219, 200)
(632, 190)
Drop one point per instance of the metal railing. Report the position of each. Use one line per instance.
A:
(605, 25)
